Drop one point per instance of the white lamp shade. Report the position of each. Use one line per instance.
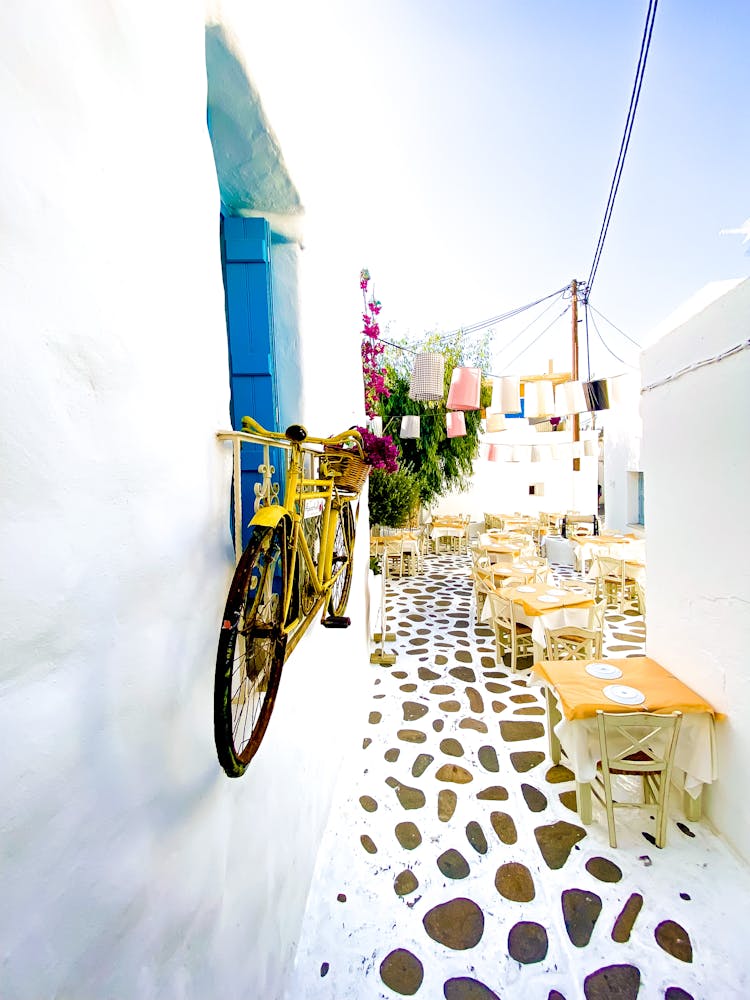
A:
(455, 425)
(493, 453)
(376, 426)
(540, 400)
(409, 426)
(428, 377)
(465, 389)
(569, 398)
(589, 448)
(577, 448)
(506, 395)
(536, 454)
(495, 422)
(517, 453)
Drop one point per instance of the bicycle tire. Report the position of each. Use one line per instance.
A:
(251, 650)
(343, 543)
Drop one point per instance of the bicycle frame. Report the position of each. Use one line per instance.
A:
(303, 487)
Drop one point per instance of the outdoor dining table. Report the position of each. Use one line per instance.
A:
(574, 696)
(501, 549)
(448, 528)
(541, 606)
(627, 547)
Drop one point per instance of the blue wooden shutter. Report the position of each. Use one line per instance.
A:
(246, 260)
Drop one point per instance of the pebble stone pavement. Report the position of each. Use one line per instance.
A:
(454, 864)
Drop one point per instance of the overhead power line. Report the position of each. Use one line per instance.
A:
(609, 321)
(634, 97)
(483, 324)
(606, 346)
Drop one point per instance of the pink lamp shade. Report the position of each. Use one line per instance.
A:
(539, 398)
(570, 398)
(428, 377)
(409, 426)
(455, 425)
(493, 453)
(506, 395)
(495, 422)
(465, 389)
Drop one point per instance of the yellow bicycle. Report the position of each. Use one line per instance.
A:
(298, 561)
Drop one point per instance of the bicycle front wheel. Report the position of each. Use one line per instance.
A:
(251, 650)
(343, 544)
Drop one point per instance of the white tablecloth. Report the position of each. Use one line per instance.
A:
(559, 550)
(696, 761)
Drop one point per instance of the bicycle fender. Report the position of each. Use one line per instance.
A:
(269, 517)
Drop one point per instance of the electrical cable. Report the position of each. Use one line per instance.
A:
(527, 327)
(607, 348)
(483, 324)
(743, 346)
(622, 332)
(634, 98)
(588, 355)
(534, 340)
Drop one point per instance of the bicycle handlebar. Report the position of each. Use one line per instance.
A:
(298, 434)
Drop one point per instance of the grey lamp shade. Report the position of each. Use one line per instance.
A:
(427, 381)
(597, 395)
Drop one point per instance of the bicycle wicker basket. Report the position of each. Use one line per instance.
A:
(348, 469)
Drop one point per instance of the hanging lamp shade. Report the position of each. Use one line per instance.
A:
(506, 395)
(465, 389)
(589, 448)
(577, 448)
(409, 426)
(376, 426)
(455, 425)
(540, 400)
(536, 453)
(495, 422)
(597, 395)
(570, 398)
(517, 453)
(427, 381)
(493, 453)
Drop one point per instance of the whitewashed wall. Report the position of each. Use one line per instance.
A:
(697, 467)
(503, 487)
(622, 432)
(131, 867)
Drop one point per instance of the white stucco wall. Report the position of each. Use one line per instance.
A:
(697, 467)
(622, 433)
(503, 487)
(131, 867)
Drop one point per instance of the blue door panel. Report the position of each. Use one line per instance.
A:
(245, 246)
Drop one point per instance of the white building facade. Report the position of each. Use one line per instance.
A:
(131, 866)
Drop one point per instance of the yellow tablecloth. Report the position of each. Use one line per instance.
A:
(533, 607)
(581, 695)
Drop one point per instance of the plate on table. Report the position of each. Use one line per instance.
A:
(556, 593)
(577, 590)
(548, 599)
(606, 671)
(526, 590)
(624, 695)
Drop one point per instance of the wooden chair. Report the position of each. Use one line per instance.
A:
(509, 634)
(482, 580)
(569, 642)
(612, 579)
(596, 616)
(637, 743)
(641, 593)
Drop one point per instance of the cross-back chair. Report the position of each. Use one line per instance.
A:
(510, 635)
(569, 642)
(642, 744)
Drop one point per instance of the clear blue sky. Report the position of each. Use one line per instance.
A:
(469, 148)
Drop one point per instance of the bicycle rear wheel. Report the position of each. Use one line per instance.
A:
(251, 650)
(343, 544)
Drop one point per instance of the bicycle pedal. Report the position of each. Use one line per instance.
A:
(336, 621)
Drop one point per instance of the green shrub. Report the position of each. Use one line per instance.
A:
(393, 496)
